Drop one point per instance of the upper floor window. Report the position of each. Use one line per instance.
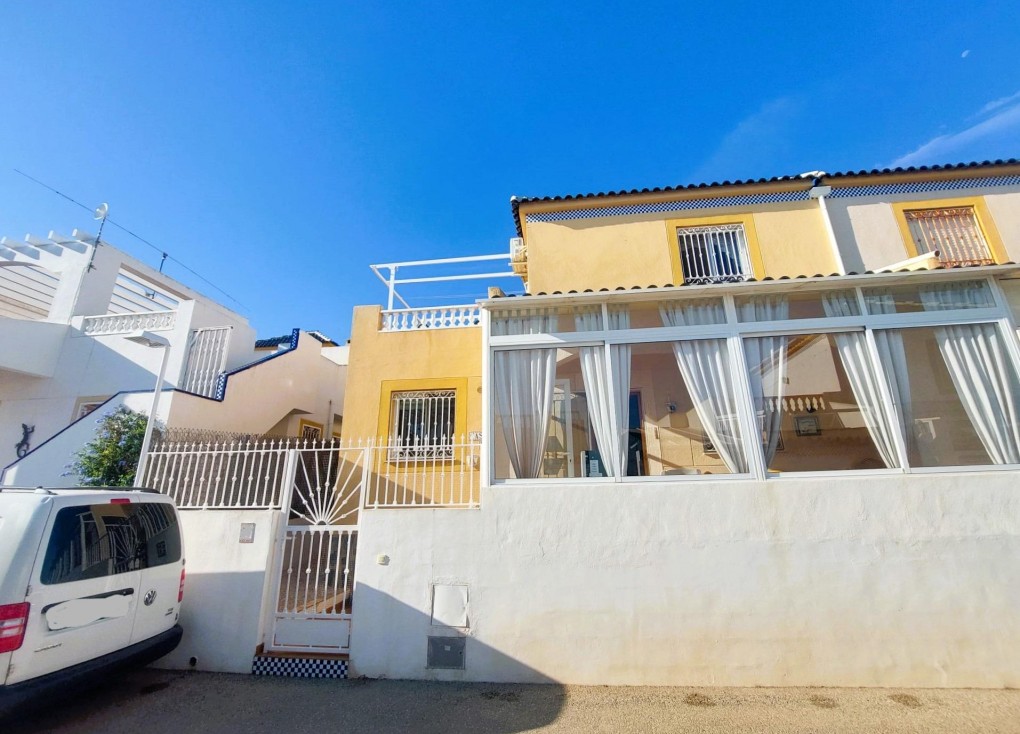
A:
(714, 253)
(952, 232)
(422, 424)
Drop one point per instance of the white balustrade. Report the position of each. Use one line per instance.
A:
(440, 317)
(126, 323)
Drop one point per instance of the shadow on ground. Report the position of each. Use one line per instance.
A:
(160, 701)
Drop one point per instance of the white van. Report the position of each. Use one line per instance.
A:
(91, 581)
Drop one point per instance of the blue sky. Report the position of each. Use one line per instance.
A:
(279, 148)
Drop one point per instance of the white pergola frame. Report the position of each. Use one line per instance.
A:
(391, 281)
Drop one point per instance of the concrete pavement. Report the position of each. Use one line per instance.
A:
(165, 702)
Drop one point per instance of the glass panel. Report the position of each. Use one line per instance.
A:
(958, 398)
(808, 305)
(677, 428)
(698, 312)
(555, 319)
(93, 541)
(645, 315)
(567, 445)
(817, 403)
(935, 297)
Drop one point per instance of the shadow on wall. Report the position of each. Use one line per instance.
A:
(220, 616)
(376, 652)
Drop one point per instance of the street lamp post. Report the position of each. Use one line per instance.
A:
(155, 341)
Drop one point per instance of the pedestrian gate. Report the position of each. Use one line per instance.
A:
(316, 551)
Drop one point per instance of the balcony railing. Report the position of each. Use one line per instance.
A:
(126, 323)
(442, 317)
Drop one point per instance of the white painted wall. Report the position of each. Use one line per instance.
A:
(841, 581)
(49, 467)
(70, 367)
(225, 583)
(869, 237)
(31, 347)
(299, 383)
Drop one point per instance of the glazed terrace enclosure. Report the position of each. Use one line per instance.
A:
(878, 373)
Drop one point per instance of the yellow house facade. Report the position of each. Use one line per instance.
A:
(745, 433)
(581, 252)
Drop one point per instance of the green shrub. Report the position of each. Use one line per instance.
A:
(111, 458)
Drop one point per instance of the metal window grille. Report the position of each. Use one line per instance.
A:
(953, 233)
(714, 254)
(207, 358)
(422, 424)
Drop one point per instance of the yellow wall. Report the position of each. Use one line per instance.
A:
(608, 252)
(424, 359)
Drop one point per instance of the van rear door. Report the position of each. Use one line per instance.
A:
(83, 589)
(161, 554)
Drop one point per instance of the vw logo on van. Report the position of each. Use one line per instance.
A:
(150, 596)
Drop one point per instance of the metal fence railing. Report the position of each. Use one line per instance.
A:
(318, 482)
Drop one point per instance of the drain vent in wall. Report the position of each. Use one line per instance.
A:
(446, 652)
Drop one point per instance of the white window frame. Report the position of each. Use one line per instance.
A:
(734, 331)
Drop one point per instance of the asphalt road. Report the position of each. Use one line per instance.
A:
(158, 702)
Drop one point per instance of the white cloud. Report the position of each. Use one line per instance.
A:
(965, 54)
(750, 148)
(995, 136)
(997, 103)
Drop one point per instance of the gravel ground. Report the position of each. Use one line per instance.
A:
(156, 701)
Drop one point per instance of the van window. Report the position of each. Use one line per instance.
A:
(92, 541)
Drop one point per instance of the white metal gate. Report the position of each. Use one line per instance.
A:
(317, 550)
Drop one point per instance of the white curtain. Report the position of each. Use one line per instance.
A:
(705, 367)
(982, 374)
(766, 357)
(611, 435)
(893, 357)
(879, 417)
(524, 380)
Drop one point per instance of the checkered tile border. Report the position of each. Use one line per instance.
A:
(668, 206)
(923, 187)
(298, 667)
(918, 187)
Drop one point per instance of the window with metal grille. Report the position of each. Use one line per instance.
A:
(714, 254)
(421, 424)
(952, 232)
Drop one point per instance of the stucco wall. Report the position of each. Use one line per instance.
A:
(301, 382)
(426, 354)
(869, 236)
(224, 587)
(848, 581)
(49, 465)
(608, 252)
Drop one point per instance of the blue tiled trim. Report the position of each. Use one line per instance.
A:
(668, 206)
(922, 187)
(221, 381)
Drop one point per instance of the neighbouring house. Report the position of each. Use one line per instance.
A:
(742, 433)
(86, 328)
